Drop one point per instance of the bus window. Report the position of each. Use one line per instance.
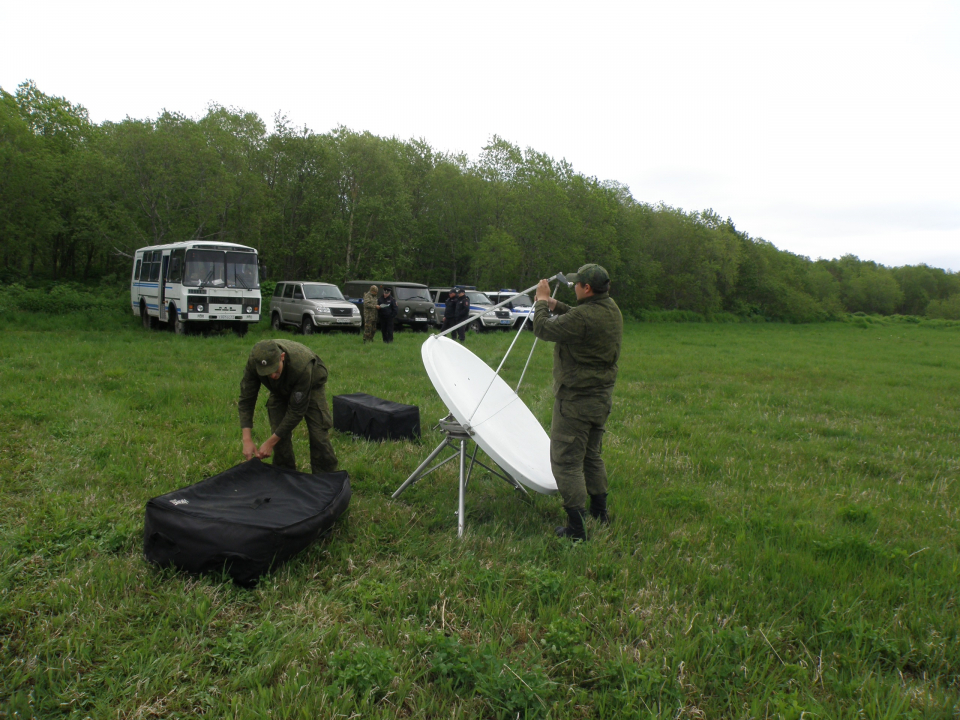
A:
(155, 266)
(175, 273)
(204, 268)
(136, 270)
(242, 270)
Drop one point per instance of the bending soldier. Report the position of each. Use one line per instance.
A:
(296, 378)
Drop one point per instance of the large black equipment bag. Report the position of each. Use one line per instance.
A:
(244, 521)
(374, 418)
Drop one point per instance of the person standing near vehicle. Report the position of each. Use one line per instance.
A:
(588, 339)
(388, 311)
(463, 312)
(370, 313)
(451, 309)
(296, 378)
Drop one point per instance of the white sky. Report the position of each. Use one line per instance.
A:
(825, 128)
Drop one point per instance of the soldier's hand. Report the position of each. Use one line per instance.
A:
(249, 449)
(543, 290)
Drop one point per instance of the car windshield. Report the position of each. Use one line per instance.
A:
(406, 293)
(520, 301)
(478, 298)
(322, 292)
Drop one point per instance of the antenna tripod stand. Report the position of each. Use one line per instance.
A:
(456, 433)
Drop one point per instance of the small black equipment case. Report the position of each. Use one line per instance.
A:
(374, 418)
(245, 520)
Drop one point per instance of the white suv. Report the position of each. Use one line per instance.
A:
(311, 305)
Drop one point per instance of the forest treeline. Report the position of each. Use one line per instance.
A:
(75, 196)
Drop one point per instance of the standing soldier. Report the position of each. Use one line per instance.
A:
(370, 313)
(296, 378)
(588, 339)
(388, 311)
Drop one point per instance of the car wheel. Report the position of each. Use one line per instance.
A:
(306, 327)
(476, 326)
(275, 321)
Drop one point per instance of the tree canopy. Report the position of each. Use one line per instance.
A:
(75, 196)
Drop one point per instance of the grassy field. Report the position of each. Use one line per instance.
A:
(786, 537)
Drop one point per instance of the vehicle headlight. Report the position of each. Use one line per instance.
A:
(199, 308)
(406, 309)
(431, 311)
(249, 309)
(322, 310)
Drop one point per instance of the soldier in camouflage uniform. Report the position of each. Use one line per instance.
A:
(588, 339)
(370, 313)
(296, 379)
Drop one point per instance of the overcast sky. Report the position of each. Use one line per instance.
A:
(825, 128)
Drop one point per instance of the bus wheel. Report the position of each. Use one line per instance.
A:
(240, 329)
(180, 327)
(149, 322)
(275, 321)
(306, 327)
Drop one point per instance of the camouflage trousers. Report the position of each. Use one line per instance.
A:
(319, 421)
(576, 441)
(369, 325)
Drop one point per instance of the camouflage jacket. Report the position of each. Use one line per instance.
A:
(588, 339)
(303, 370)
(369, 305)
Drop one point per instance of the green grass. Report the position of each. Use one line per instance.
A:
(786, 539)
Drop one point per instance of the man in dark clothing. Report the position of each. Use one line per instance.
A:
(388, 311)
(451, 311)
(588, 339)
(463, 312)
(296, 378)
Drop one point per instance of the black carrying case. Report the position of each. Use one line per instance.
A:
(374, 418)
(244, 521)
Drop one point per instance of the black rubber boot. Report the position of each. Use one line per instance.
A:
(574, 529)
(598, 508)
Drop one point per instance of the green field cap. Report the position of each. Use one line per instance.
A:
(593, 275)
(266, 356)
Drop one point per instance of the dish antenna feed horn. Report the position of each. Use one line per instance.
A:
(483, 408)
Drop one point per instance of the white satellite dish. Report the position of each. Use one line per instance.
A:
(494, 415)
(484, 409)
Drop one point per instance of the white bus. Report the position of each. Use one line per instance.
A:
(196, 284)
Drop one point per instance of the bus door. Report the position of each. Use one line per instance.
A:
(162, 289)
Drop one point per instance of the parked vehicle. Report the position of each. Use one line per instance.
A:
(479, 304)
(520, 306)
(414, 305)
(196, 284)
(312, 305)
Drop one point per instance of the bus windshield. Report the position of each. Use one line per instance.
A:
(242, 270)
(215, 268)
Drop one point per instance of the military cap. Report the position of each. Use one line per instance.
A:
(266, 356)
(457, 289)
(593, 275)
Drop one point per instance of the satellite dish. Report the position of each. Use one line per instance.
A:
(500, 423)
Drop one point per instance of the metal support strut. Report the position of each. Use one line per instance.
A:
(455, 434)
